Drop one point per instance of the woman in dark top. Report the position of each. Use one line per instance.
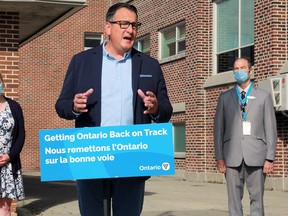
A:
(12, 137)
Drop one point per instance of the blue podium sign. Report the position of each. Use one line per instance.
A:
(106, 152)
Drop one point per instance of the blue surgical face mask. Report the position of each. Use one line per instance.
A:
(241, 76)
(1, 89)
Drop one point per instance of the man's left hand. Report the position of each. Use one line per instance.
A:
(150, 101)
(268, 167)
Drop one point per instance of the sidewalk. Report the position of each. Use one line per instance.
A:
(164, 196)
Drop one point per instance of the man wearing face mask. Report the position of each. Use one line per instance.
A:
(245, 137)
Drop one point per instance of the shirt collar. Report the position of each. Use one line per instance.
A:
(110, 57)
(246, 89)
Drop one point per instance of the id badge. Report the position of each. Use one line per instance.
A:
(246, 127)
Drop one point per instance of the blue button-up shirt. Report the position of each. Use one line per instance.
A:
(116, 90)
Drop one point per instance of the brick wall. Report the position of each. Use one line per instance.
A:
(270, 37)
(185, 77)
(44, 62)
(271, 52)
(9, 57)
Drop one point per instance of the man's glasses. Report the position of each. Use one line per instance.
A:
(126, 24)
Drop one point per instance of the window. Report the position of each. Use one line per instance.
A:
(234, 32)
(172, 41)
(179, 139)
(92, 40)
(143, 45)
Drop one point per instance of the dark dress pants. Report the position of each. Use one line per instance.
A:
(127, 196)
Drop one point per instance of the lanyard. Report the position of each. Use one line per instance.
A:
(243, 101)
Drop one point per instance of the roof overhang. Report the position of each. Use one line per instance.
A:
(39, 16)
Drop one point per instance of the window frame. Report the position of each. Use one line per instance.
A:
(176, 153)
(215, 39)
(91, 34)
(178, 54)
(139, 45)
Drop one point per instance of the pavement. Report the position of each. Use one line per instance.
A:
(164, 196)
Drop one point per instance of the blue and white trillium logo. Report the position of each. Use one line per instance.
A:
(165, 166)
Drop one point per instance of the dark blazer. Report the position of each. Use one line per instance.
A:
(84, 72)
(18, 134)
(229, 141)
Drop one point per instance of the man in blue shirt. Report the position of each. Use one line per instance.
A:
(111, 85)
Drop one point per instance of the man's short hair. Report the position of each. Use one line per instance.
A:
(112, 10)
(244, 58)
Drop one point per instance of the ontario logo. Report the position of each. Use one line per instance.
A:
(165, 166)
